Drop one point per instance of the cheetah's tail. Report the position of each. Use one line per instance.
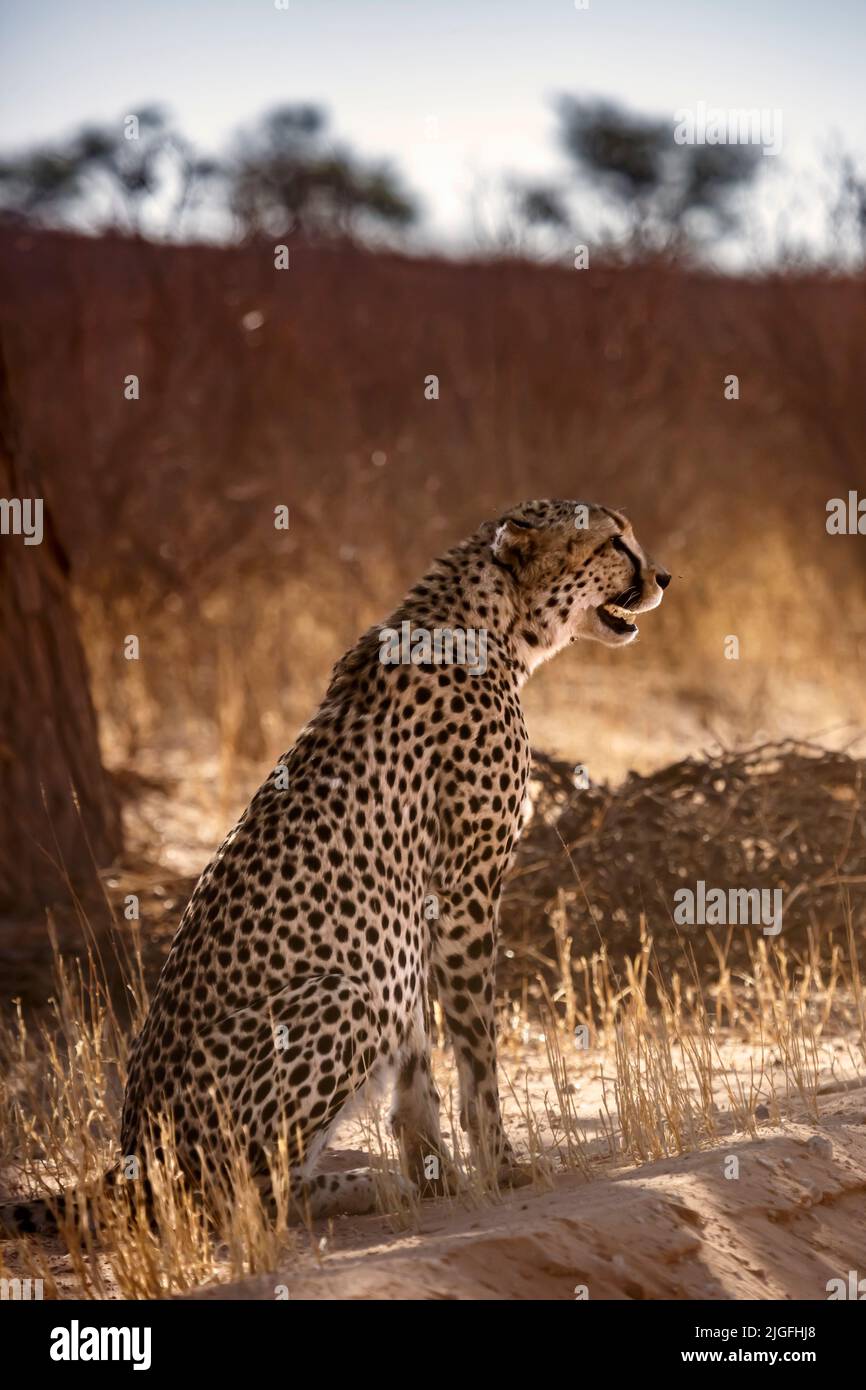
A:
(46, 1216)
(34, 1217)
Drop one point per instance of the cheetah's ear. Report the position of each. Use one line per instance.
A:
(515, 544)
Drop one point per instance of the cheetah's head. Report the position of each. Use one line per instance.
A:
(579, 570)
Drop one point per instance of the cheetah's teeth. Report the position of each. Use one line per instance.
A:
(617, 618)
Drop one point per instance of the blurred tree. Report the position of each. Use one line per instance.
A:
(59, 815)
(108, 175)
(287, 180)
(626, 152)
(848, 211)
(666, 193)
(541, 207)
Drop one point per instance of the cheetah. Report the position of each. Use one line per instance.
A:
(371, 858)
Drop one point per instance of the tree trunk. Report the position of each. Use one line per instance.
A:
(58, 814)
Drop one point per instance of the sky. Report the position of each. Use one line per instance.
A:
(454, 92)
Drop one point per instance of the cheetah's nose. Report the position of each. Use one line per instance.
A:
(663, 579)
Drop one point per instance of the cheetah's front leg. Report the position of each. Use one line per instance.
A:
(464, 962)
(415, 1114)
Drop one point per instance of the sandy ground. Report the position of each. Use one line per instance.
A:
(785, 1218)
(793, 1219)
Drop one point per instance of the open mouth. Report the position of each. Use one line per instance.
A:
(616, 618)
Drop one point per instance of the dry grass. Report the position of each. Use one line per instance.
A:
(603, 1078)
